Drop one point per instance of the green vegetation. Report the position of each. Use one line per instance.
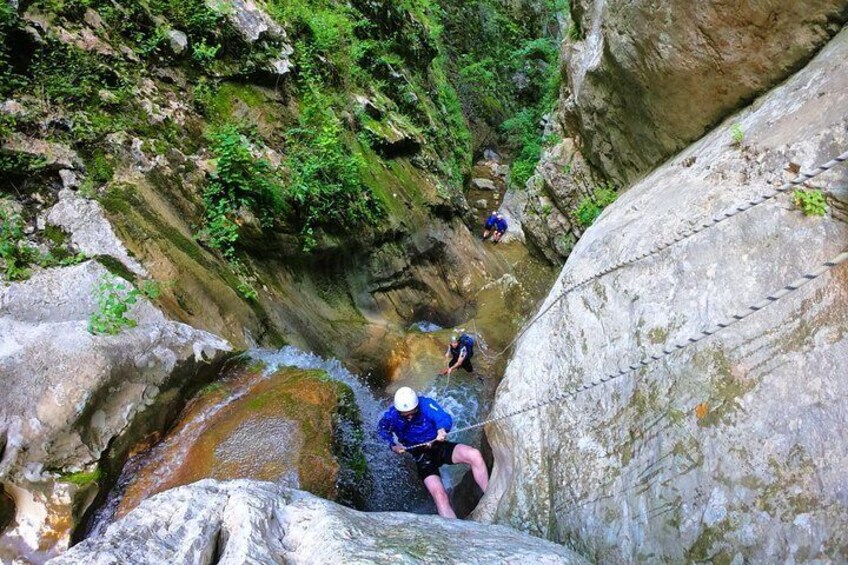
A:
(15, 251)
(115, 298)
(10, 28)
(19, 169)
(18, 254)
(590, 207)
(737, 135)
(811, 202)
(325, 187)
(363, 76)
(506, 75)
(82, 478)
(241, 181)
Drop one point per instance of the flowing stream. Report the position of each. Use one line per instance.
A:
(238, 427)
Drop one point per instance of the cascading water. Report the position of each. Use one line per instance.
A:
(394, 484)
(395, 487)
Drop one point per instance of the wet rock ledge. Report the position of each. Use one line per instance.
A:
(244, 521)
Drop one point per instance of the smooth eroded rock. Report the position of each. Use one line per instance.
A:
(734, 449)
(68, 394)
(649, 77)
(238, 522)
(284, 427)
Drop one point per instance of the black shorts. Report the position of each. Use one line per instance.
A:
(429, 459)
(466, 363)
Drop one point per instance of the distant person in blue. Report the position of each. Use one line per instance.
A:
(417, 420)
(460, 350)
(489, 228)
(501, 225)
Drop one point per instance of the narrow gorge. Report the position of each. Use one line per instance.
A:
(231, 231)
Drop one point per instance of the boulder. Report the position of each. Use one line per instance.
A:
(562, 179)
(69, 394)
(243, 521)
(90, 231)
(732, 450)
(253, 23)
(482, 184)
(249, 19)
(177, 40)
(293, 427)
(513, 207)
(650, 77)
(69, 179)
(53, 156)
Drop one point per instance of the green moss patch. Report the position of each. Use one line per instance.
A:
(82, 478)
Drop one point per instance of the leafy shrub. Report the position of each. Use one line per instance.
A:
(203, 53)
(241, 180)
(522, 133)
(115, 297)
(71, 76)
(325, 186)
(15, 251)
(737, 134)
(10, 78)
(811, 202)
(591, 207)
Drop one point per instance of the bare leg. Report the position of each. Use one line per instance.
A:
(440, 496)
(470, 456)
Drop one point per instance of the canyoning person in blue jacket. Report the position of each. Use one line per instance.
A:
(501, 225)
(415, 420)
(491, 221)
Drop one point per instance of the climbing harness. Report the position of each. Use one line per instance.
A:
(669, 349)
(706, 224)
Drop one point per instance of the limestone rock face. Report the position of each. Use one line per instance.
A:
(67, 394)
(90, 230)
(244, 521)
(561, 180)
(650, 77)
(733, 449)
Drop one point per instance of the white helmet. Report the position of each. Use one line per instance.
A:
(405, 399)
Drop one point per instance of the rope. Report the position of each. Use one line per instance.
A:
(706, 224)
(668, 349)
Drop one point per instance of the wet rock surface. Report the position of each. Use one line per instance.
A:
(255, 522)
(280, 427)
(731, 450)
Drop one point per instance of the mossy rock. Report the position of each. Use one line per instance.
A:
(295, 426)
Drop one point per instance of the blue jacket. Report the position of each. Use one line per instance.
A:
(491, 221)
(501, 225)
(422, 428)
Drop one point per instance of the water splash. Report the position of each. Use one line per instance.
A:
(425, 327)
(396, 487)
